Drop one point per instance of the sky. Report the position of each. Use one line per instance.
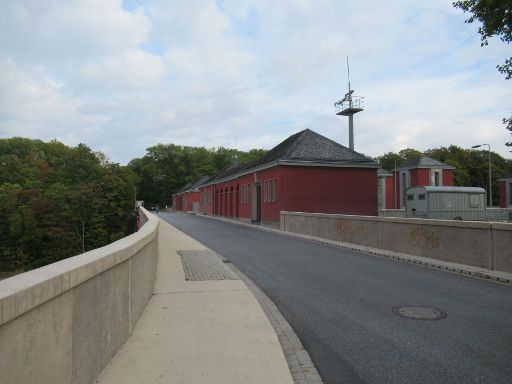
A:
(121, 76)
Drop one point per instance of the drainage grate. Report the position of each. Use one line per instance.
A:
(419, 312)
(204, 265)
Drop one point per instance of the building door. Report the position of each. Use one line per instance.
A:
(256, 202)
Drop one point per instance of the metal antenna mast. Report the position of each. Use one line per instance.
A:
(349, 106)
(348, 74)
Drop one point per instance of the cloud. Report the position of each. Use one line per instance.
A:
(35, 105)
(122, 76)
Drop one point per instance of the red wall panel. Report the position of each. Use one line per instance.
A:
(422, 178)
(244, 211)
(271, 210)
(390, 193)
(329, 190)
(503, 194)
(448, 177)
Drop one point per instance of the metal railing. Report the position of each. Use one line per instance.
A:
(489, 214)
(355, 102)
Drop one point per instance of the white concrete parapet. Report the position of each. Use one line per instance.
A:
(480, 244)
(64, 322)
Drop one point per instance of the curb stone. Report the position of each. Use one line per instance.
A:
(301, 366)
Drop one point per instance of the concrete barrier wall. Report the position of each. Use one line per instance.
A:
(480, 244)
(64, 322)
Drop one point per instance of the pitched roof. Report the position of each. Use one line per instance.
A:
(191, 186)
(183, 189)
(506, 177)
(305, 147)
(199, 182)
(424, 162)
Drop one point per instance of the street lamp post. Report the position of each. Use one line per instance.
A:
(490, 172)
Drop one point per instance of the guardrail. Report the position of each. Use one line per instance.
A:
(63, 323)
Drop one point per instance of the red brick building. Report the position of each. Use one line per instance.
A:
(187, 198)
(421, 171)
(306, 173)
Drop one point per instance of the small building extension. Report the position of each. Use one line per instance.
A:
(420, 171)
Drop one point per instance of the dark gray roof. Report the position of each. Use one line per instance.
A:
(507, 177)
(424, 162)
(183, 189)
(190, 187)
(307, 147)
(199, 182)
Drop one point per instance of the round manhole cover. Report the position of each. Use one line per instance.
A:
(419, 312)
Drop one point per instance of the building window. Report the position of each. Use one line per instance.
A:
(436, 179)
(474, 200)
(274, 190)
(410, 197)
(421, 197)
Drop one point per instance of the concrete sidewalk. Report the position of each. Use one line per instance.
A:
(197, 331)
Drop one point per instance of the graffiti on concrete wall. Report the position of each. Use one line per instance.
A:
(349, 230)
(420, 238)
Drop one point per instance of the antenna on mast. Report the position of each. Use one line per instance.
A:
(349, 106)
(348, 74)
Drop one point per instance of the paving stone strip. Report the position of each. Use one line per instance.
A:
(203, 266)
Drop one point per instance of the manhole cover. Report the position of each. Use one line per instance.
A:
(419, 312)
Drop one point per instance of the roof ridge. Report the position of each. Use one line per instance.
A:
(299, 139)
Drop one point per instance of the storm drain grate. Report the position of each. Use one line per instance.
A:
(204, 265)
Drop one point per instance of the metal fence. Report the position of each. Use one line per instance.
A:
(489, 214)
(499, 214)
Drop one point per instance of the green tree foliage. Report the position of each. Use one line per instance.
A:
(471, 166)
(496, 19)
(389, 160)
(167, 167)
(58, 201)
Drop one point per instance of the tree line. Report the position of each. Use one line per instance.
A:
(58, 201)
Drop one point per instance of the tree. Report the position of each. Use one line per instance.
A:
(58, 201)
(389, 160)
(496, 19)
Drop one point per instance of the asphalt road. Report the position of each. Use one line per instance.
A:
(340, 304)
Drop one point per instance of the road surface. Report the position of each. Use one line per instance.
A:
(340, 303)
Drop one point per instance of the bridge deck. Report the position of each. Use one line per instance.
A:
(211, 331)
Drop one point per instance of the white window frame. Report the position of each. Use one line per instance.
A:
(433, 172)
